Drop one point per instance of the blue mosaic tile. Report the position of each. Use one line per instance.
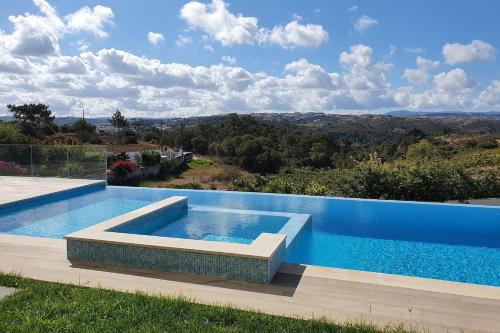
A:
(167, 260)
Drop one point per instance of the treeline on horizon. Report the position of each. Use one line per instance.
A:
(385, 159)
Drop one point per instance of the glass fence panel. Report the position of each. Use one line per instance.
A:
(64, 161)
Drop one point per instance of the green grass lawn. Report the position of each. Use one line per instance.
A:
(200, 163)
(51, 307)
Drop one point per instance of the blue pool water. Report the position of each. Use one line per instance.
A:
(208, 224)
(447, 242)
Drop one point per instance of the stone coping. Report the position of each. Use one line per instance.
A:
(264, 247)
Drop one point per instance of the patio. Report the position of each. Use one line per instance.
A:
(297, 290)
(22, 188)
(303, 291)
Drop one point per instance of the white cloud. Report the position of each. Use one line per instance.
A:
(104, 80)
(459, 53)
(366, 80)
(392, 51)
(359, 55)
(218, 22)
(155, 38)
(454, 80)
(229, 60)
(451, 90)
(353, 8)
(431, 99)
(416, 75)
(82, 45)
(183, 40)
(9, 64)
(427, 64)
(90, 20)
(39, 35)
(66, 64)
(34, 35)
(420, 75)
(295, 34)
(417, 50)
(230, 29)
(308, 76)
(108, 79)
(489, 98)
(364, 23)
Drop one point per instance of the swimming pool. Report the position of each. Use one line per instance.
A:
(447, 242)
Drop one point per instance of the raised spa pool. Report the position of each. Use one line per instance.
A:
(208, 223)
(439, 241)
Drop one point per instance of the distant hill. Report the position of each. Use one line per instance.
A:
(460, 114)
(68, 120)
(428, 120)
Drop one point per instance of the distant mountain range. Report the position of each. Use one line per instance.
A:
(406, 113)
(68, 120)
(282, 117)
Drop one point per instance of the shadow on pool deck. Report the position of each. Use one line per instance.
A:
(283, 284)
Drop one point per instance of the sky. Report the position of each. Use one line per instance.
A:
(173, 58)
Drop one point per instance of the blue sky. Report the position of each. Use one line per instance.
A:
(204, 57)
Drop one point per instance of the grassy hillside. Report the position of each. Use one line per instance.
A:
(201, 173)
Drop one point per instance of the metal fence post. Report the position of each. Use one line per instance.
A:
(105, 149)
(31, 159)
(67, 159)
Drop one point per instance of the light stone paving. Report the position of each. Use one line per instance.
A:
(15, 189)
(298, 291)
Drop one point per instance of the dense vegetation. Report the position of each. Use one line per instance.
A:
(50, 307)
(432, 159)
(262, 147)
(424, 181)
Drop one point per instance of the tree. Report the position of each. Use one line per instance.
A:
(83, 126)
(35, 120)
(138, 126)
(319, 155)
(124, 133)
(423, 150)
(9, 133)
(85, 131)
(200, 144)
(118, 120)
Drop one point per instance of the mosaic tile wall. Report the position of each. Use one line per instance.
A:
(276, 260)
(226, 266)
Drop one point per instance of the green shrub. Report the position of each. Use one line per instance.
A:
(150, 158)
(11, 134)
(487, 143)
(440, 180)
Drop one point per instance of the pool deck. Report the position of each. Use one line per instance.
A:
(16, 189)
(297, 291)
